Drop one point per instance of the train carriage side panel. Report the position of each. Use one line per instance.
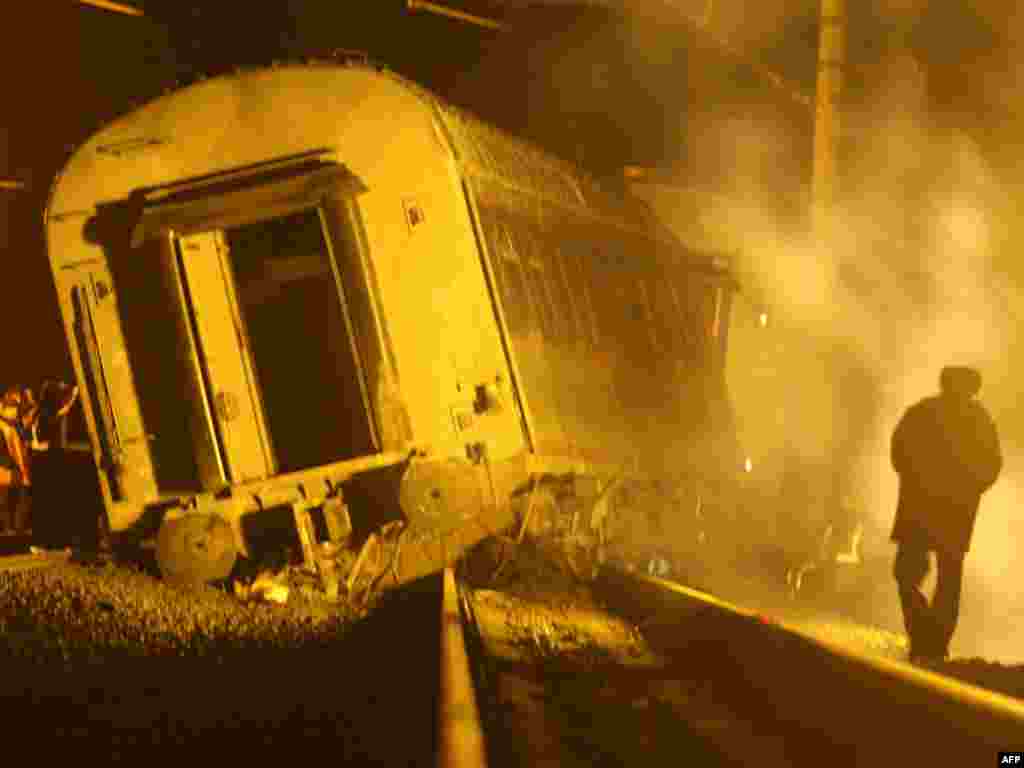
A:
(455, 377)
(119, 443)
(573, 289)
(571, 265)
(515, 246)
(420, 239)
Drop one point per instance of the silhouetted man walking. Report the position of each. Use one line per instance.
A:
(946, 452)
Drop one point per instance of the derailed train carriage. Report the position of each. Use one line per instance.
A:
(318, 288)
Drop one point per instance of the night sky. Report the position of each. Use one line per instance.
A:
(68, 68)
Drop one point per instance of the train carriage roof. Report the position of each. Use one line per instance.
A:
(96, 175)
(492, 155)
(485, 151)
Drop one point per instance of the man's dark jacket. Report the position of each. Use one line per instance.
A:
(946, 452)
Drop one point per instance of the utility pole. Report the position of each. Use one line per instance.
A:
(824, 232)
(827, 122)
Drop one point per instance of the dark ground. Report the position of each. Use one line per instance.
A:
(559, 716)
(103, 663)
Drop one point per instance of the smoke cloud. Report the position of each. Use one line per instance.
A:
(914, 281)
(921, 275)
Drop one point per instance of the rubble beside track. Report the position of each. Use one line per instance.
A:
(821, 697)
(111, 662)
(564, 681)
(635, 669)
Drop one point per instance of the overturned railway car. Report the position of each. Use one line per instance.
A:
(317, 288)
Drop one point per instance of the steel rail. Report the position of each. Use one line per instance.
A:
(875, 710)
(29, 562)
(460, 734)
(108, 5)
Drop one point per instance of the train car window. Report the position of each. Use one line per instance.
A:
(623, 312)
(630, 314)
(574, 260)
(540, 299)
(691, 295)
(634, 326)
(685, 324)
(517, 307)
(525, 274)
(530, 245)
(607, 308)
(646, 306)
(562, 296)
(509, 274)
(550, 285)
(665, 316)
(591, 274)
(704, 295)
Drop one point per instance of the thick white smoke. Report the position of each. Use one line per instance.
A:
(921, 275)
(913, 282)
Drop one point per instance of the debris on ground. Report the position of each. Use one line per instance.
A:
(267, 587)
(532, 570)
(529, 605)
(380, 552)
(394, 554)
(856, 636)
(530, 593)
(93, 612)
(45, 552)
(516, 629)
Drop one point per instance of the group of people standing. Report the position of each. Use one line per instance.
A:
(31, 423)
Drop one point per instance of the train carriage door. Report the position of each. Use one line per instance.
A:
(275, 353)
(98, 383)
(300, 339)
(159, 346)
(222, 345)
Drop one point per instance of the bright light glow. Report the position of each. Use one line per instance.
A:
(748, 465)
(762, 319)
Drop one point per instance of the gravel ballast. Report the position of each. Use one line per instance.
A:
(108, 660)
(70, 612)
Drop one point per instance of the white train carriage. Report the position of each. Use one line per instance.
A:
(289, 286)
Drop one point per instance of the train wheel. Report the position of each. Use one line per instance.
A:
(195, 549)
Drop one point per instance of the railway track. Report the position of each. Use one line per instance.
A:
(27, 561)
(734, 688)
(417, 682)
